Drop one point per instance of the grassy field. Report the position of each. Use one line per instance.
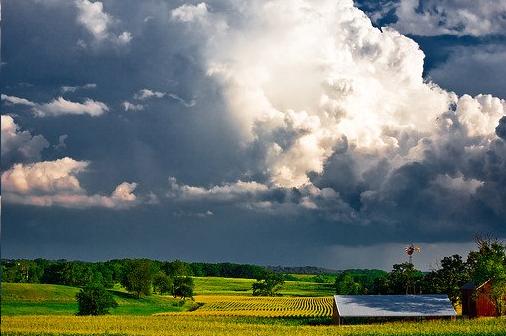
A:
(236, 286)
(37, 299)
(199, 325)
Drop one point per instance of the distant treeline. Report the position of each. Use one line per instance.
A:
(302, 270)
(79, 273)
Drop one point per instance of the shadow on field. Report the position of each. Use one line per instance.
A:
(123, 295)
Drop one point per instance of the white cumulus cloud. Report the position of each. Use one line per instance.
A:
(18, 144)
(61, 106)
(56, 183)
(91, 15)
(342, 119)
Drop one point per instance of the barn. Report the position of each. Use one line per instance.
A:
(367, 308)
(476, 301)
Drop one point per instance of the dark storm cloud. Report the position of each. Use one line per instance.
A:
(500, 130)
(221, 203)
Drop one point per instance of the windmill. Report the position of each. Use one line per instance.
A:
(410, 250)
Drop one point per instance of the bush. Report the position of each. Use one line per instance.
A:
(94, 299)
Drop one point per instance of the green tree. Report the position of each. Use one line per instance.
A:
(94, 299)
(404, 279)
(268, 285)
(346, 285)
(448, 279)
(162, 283)
(177, 268)
(138, 277)
(183, 287)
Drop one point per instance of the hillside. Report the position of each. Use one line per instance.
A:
(43, 299)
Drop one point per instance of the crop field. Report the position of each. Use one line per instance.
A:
(213, 325)
(218, 305)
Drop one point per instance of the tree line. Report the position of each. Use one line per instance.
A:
(80, 273)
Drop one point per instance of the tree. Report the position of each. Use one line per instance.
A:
(94, 299)
(449, 278)
(177, 268)
(183, 287)
(138, 277)
(268, 285)
(162, 283)
(404, 279)
(346, 285)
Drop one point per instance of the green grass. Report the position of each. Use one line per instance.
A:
(304, 288)
(41, 299)
(222, 286)
(236, 286)
(37, 299)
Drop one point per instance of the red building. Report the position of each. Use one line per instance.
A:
(476, 300)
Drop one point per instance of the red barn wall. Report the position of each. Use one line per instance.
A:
(484, 305)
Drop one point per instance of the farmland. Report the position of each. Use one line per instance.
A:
(238, 286)
(220, 305)
(199, 325)
(224, 305)
(39, 299)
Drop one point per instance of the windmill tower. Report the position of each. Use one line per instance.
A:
(410, 250)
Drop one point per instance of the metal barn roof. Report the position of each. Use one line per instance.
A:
(393, 305)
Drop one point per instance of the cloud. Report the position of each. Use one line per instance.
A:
(61, 106)
(18, 145)
(353, 84)
(200, 15)
(55, 183)
(261, 198)
(144, 94)
(61, 142)
(463, 17)
(225, 193)
(66, 89)
(12, 100)
(190, 103)
(354, 99)
(91, 15)
(480, 115)
(500, 130)
(484, 64)
(190, 13)
(127, 106)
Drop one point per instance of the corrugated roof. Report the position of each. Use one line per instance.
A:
(393, 305)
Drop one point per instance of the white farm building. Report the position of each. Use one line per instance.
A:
(387, 307)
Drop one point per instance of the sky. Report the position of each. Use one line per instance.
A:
(328, 133)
